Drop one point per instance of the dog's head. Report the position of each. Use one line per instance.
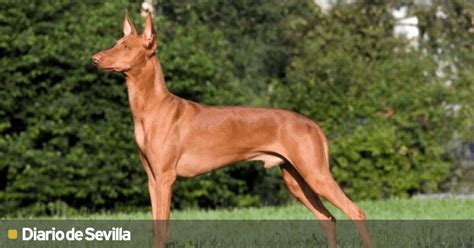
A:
(131, 50)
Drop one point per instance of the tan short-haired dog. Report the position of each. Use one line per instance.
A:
(180, 138)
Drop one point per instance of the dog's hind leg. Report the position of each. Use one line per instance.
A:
(309, 156)
(312, 164)
(298, 188)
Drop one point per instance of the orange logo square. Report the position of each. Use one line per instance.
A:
(12, 234)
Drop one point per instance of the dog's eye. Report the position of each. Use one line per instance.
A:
(125, 46)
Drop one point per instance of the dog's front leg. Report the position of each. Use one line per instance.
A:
(163, 176)
(160, 183)
(151, 183)
(162, 188)
(152, 192)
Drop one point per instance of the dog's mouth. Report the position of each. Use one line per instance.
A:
(108, 64)
(102, 67)
(99, 62)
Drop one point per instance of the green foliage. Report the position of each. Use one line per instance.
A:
(65, 126)
(66, 132)
(66, 139)
(386, 110)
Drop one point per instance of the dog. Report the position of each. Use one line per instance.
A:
(181, 138)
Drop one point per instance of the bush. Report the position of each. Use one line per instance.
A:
(65, 126)
(66, 132)
(66, 138)
(387, 112)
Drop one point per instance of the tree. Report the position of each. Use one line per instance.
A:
(382, 103)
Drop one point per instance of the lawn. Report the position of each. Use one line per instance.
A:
(429, 223)
(394, 209)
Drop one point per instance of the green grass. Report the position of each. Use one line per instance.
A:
(289, 233)
(394, 209)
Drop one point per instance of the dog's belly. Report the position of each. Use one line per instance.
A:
(268, 160)
(191, 166)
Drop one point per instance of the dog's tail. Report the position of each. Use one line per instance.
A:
(325, 144)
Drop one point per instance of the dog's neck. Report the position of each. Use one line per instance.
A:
(146, 85)
(147, 77)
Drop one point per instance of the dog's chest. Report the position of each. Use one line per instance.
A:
(140, 136)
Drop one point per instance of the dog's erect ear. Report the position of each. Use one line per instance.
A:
(128, 27)
(149, 33)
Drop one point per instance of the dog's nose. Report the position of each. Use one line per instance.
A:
(96, 58)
